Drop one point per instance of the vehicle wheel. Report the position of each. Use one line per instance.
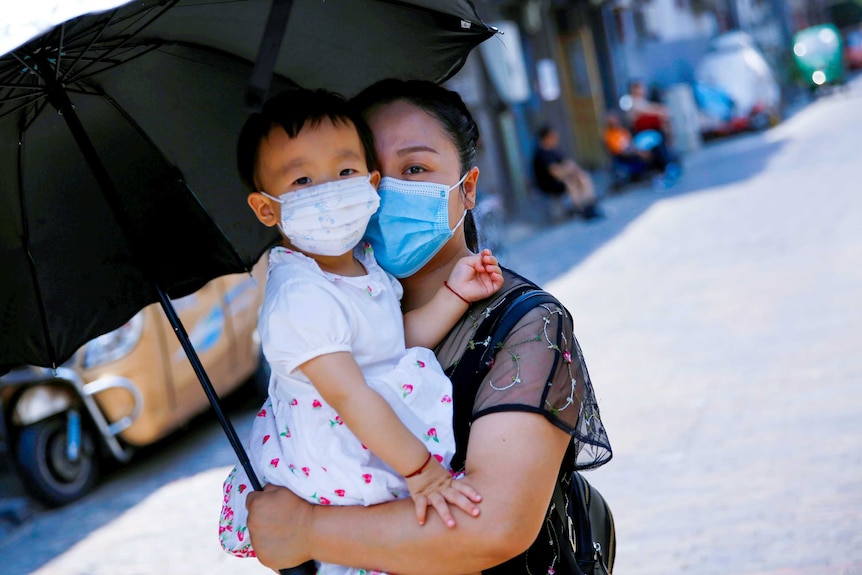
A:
(45, 467)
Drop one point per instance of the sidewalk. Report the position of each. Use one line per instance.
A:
(722, 325)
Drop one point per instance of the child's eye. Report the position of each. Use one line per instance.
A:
(347, 172)
(303, 181)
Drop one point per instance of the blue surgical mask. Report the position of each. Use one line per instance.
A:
(411, 225)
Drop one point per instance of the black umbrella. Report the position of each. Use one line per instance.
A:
(117, 134)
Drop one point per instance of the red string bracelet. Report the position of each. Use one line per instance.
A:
(418, 471)
(462, 298)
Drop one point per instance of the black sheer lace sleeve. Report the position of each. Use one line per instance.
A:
(539, 368)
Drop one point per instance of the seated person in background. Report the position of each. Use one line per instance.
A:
(556, 175)
(627, 152)
(644, 114)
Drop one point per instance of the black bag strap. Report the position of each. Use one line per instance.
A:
(476, 360)
(467, 376)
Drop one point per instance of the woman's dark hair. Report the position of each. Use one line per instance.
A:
(293, 110)
(444, 105)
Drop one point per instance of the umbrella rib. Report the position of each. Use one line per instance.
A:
(124, 41)
(81, 76)
(95, 38)
(24, 105)
(60, 51)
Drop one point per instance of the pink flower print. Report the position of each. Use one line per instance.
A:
(431, 435)
(366, 477)
(240, 534)
(306, 470)
(567, 356)
(420, 363)
(316, 404)
(336, 421)
(292, 468)
(261, 413)
(325, 501)
(286, 432)
(366, 247)
(407, 388)
(265, 439)
(293, 402)
(369, 290)
(364, 446)
(274, 462)
(324, 469)
(445, 399)
(439, 458)
(242, 487)
(340, 492)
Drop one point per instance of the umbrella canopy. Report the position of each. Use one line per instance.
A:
(130, 191)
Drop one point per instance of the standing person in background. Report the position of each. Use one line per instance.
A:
(645, 114)
(559, 176)
(534, 417)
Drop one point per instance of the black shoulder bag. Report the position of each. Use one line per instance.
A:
(579, 515)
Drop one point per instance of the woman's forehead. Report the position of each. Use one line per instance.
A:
(401, 124)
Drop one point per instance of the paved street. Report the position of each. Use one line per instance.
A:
(721, 320)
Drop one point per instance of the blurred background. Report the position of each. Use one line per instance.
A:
(718, 307)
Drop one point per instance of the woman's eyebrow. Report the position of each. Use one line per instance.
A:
(412, 149)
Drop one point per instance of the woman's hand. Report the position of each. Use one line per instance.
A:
(476, 277)
(278, 523)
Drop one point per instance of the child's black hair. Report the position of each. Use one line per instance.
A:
(293, 110)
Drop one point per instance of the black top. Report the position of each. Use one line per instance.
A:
(539, 368)
(542, 160)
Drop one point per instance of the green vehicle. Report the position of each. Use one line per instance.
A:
(818, 56)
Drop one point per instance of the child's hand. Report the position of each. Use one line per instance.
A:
(435, 487)
(476, 277)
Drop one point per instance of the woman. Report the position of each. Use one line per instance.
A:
(534, 395)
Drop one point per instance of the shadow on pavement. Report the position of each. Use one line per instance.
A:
(196, 448)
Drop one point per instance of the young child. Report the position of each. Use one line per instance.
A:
(359, 418)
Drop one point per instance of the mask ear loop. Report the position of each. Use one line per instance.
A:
(470, 232)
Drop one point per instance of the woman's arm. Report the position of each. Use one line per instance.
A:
(516, 481)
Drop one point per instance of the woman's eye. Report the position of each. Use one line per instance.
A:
(303, 181)
(414, 170)
(347, 172)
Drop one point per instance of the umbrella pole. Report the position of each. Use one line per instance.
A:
(60, 100)
(209, 390)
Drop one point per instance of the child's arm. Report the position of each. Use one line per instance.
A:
(472, 279)
(341, 384)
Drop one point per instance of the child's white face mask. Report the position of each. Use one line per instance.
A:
(328, 219)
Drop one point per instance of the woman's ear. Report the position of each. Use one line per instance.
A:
(374, 178)
(469, 186)
(263, 209)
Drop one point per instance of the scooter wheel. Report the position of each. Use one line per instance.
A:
(44, 464)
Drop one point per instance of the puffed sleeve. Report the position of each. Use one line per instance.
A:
(301, 320)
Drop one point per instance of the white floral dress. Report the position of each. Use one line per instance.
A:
(297, 439)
